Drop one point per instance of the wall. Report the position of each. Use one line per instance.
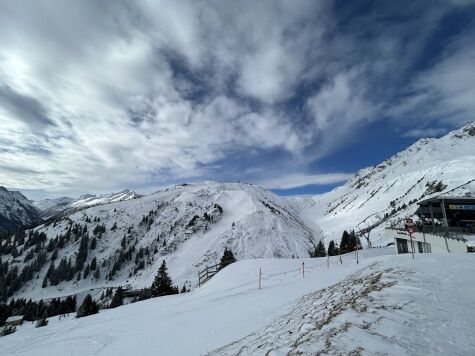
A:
(438, 244)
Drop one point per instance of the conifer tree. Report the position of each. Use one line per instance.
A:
(345, 243)
(118, 298)
(88, 307)
(162, 285)
(43, 321)
(227, 258)
(320, 250)
(331, 248)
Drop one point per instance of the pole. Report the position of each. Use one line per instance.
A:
(260, 277)
(339, 254)
(303, 269)
(412, 245)
(328, 261)
(446, 223)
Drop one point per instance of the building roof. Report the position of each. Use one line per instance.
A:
(448, 200)
(14, 318)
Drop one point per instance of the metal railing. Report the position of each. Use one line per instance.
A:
(454, 232)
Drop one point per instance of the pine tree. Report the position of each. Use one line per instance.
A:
(93, 264)
(331, 248)
(118, 298)
(93, 243)
(162, 285)
(320, 250)
(227, 258)
(82, 253)
(97, 273)
(88, 307)
(345, 243)
(43, 321)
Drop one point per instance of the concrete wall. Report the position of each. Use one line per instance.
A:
(438, 244)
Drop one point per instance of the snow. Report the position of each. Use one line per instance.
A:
(255, 223)
(16, 210)
(386, 304)
(402, 179)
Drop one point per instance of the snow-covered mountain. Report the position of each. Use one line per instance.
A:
(128, 236)
(50, 207)
(188, 225)
(16, 210)
(64, 205)
(389, 191)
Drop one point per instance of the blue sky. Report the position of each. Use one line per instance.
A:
(292, 95)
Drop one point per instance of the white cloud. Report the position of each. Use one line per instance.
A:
(298, 180)
(104, 95)
(426, 132)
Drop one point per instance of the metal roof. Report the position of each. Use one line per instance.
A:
(448, 200)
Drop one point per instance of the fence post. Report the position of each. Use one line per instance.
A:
(260, 277)
(303, 269)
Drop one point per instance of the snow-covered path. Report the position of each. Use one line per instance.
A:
(391, 304)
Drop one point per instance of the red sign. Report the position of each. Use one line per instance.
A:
(410, 229)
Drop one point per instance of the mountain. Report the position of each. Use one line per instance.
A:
(16, 210)
(51, 207)
(386, 193)
(188, 225)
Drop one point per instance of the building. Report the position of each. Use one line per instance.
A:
(445, 225)
(14, 320)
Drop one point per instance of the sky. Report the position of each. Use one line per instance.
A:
(98, 96)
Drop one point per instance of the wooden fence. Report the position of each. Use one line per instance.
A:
(206, 274)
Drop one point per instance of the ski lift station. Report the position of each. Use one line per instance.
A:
(445, 224)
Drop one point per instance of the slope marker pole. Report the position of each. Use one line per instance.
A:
(260, 277)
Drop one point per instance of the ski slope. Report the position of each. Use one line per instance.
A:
(386, 303)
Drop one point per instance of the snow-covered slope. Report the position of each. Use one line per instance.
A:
(384, 305)
(50, 207)
(16, 210)
(389, 191)
(65, 205)
(189, 226)
(92, 200)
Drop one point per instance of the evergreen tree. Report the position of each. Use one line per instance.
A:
(183, 289)
(82, 253)
(118, 298)
(93, 243)
(93, 264)
(97, 273)
(227, 258)
(345, 243)
(43, 321)
(88, 307)
(320, 250)
(162, 285)
(331, 248)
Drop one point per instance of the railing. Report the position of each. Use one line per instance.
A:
(206, 274)
(454, 232)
